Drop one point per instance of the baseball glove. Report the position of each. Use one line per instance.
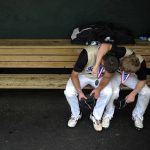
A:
(120, 103)
(88, 103)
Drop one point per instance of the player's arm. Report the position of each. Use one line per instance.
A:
(103, 49)
(76, 83)
(79, 66)
(105, 80)
(139, 86)
(141, 74)
(131, 97)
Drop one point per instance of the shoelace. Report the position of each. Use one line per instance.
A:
(138, 120)
(73, 118)
(97, 122)
(106, 119)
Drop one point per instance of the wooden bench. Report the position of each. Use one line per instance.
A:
(45, 53)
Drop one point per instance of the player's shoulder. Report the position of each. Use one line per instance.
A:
(92, 47)
(128, 51)
(141, 59)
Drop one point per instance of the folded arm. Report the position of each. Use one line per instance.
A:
(131, 97)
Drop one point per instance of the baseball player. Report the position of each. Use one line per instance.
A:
(132, 73)
(82, 76)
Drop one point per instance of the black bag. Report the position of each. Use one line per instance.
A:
(101, 32)
(123, 36)
(89, 33)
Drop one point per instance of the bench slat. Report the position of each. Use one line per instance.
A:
(30, 58)
(44, 50)
(54, 42)
(35, 81)
(37, 64)
(40, 51)
(55, 50)
(39, 58)
(41, 64)
(142, 51)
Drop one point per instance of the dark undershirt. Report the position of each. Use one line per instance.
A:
(81, 62)
(119, 52)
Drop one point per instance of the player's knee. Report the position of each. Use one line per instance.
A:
(145, 91)
(107, 91)
(69, 93)
(115, 93)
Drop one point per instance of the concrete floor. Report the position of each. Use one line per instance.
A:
(37, 120)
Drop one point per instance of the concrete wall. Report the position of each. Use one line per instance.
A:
(57, 18)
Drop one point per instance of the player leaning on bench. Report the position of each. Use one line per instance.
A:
(97, 66)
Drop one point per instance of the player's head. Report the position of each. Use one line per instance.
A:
(130, 64)
(110, 62)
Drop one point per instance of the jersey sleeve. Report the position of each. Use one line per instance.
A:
(118, 51)
(142, 72)
(81, 61)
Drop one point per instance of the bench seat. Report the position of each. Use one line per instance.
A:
(36, 81)
(48, 54)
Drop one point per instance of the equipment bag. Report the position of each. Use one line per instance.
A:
(101, 32)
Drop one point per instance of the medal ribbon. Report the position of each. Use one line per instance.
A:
(124, 76)
(100, 71)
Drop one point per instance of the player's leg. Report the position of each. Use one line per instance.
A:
(71, 96)
(110, 108)
(101, 103)
(142, 101)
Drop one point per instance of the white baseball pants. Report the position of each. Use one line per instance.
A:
(142, 101)
(71, 96)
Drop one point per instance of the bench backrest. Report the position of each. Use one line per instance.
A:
(46, 53)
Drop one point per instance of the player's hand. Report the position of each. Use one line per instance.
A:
(95, 93)
(81, 96)
(95, 71)
(130, 98)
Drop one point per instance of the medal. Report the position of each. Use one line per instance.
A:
(124, 76)
(96, 82)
